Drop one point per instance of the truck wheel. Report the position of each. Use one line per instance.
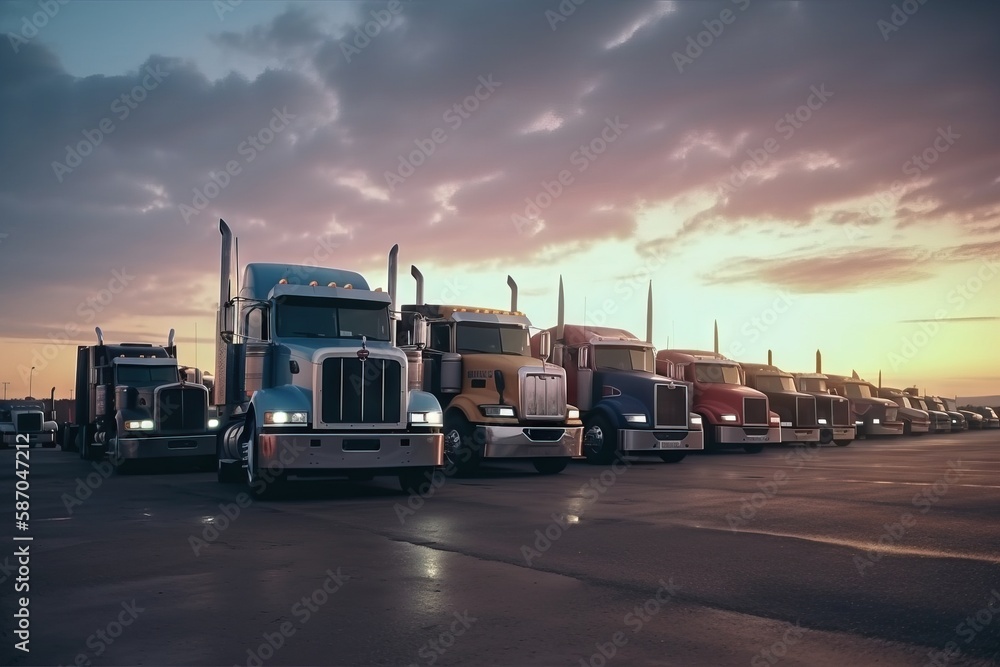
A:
(672, 457)
(262, 487)
(412, 480)
(551, 465)
(461, 452)
(88, 452)
(600, 441)
(753, 449)
(842, 443)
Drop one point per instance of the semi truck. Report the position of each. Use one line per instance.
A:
(501, 402)
(732, 414)
(833, 412)
(916, 420)
(134, 405)
(627, 408)
(940, 420)
(947, 405)
(797, 410)
(26, 417)
(872, 415)
(309, 382)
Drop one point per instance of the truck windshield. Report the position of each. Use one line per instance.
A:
(717, 373)
(305, 317)
(852, 390)
(623, 358)
(934, 404)
(145, 376)
(491, 339)
(775, 383)
(814, 385)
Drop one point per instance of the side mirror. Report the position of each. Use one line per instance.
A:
(500, 382)
(421, 330)
(544, 345)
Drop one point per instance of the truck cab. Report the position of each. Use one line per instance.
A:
(501, 401)
(310, 384)
(628, 409)
(940, 420)
(732, 413)
(833, 413)
(990, 419)
(133, 404)
(25, 417)
(797, 410)
(916, 420)
(872, 415)
(947, 405)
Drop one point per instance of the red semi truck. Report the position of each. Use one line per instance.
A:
(733, 414)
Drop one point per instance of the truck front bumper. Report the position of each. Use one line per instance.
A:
(828, 434)
(742, 435)
(920, 427)
(634, 440)
(316, 453)
(10, 438)
(885, 428)
(791, 434)
(519, 442)
(166, 447)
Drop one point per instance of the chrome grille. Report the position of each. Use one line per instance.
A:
(755, 411)
(181, 409)
(29, 422)
(356, 392)
(543, 395)
(841, 413)
(671, 406)
(805, 412)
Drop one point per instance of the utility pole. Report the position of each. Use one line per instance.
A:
(5, 390)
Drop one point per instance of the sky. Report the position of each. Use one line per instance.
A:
(813, 175)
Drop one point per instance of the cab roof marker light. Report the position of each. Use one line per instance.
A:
(313, 283)
(283, 281)
(348, 286)
(331, 284)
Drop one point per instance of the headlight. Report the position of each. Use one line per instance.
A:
(821, 421)
(431, 418)
(497, 410)
(572, 413)
(859, 423)
(728, 418)
(876, 421)
(139, 425)
(775, 420)
(636, 419)
(787, 424)
(213, 423)
(282, 417)
(696, 420)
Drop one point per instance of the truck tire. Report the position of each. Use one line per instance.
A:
(600, 441)
(551, 465)
(672, 457)
(261, 487)
(87, 452)
(462, 454)
(413, 480)
(842, 443)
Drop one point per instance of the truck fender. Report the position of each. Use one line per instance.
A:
(615, 408)
(468, 408)
(289, 397)
(422, 401)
